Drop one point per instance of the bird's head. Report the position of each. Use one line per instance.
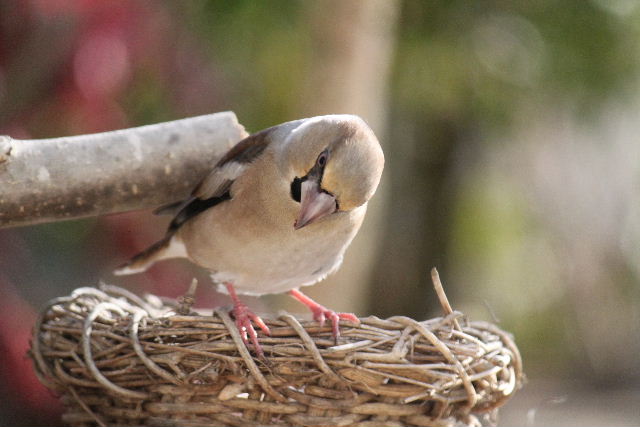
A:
(335, 165)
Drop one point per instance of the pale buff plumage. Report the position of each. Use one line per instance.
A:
(255, 236)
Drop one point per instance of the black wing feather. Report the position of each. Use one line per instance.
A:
(194, 207)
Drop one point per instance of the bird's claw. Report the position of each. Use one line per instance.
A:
(243, 318)
(321, 314)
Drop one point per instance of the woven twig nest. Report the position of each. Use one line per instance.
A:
(119, 360)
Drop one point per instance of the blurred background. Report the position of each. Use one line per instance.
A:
(513, 165)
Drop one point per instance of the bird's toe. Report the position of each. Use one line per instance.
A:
(244, 318)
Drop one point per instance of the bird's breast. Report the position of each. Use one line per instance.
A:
(262, 255)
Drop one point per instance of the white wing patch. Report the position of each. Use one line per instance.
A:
(217, 182)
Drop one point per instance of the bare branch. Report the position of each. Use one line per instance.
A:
(44, 180)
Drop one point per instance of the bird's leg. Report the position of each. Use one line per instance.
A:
(321, 313)
(243, 317)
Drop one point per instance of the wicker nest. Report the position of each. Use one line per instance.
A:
(117, 359)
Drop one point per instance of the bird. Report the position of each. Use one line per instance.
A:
(276, 213)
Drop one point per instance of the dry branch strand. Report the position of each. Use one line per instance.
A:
(86, 349)
(137, 347)
(54, 179)
(442, 297)
(85, 407)
(310, 346)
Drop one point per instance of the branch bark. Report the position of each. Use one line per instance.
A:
(45, 180)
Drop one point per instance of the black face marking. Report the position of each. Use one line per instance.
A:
(315, 174)
(296, 191)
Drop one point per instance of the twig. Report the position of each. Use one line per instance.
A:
(444, 301)
(88, 359)
(187, 300)
(86, 407)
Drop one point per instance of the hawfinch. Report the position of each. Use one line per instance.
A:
(277, 212)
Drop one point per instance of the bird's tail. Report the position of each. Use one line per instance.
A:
(169, 247)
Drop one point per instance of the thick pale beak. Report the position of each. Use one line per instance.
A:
(315, 204)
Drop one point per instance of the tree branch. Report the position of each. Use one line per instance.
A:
(44, 180)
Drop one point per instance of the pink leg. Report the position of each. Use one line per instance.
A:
(243, 317)
(321, 313)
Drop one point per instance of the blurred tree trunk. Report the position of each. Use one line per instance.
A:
(351, 50)
(417, 236)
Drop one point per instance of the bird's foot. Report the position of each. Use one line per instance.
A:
(322, 313)
(243, 318)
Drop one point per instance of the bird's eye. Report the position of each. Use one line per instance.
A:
(322, 159)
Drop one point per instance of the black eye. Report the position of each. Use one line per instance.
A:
(322, 159)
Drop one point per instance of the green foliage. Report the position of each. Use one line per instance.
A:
(469, 58)
(259, 47)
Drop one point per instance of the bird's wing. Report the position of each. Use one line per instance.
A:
(232, 165)
(215, 187)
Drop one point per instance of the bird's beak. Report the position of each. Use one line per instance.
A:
(315, 204)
